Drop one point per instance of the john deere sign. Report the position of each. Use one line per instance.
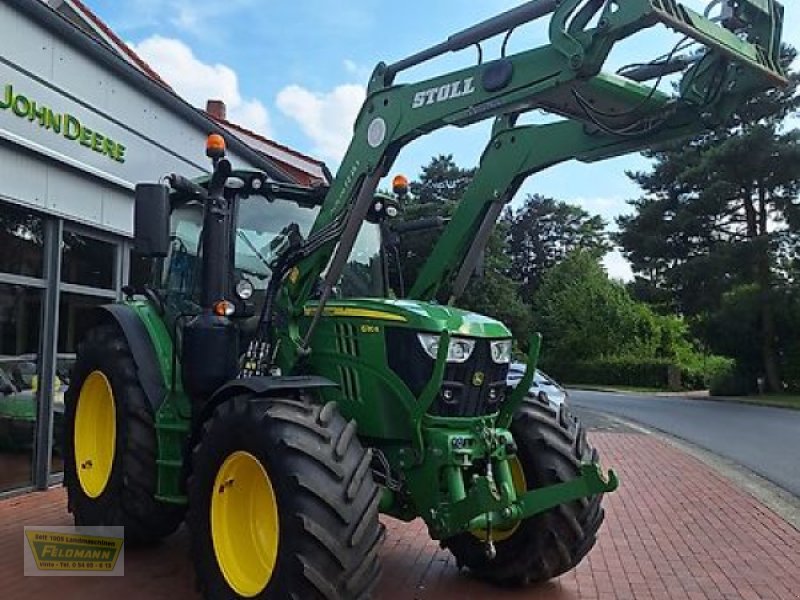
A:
(60, 123)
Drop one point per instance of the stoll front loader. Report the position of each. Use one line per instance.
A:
(265, 386)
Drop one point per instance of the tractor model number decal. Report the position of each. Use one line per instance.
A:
(449, 91)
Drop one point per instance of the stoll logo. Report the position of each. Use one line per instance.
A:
(449, 91)
(71, 551)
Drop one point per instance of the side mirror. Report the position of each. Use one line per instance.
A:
(151, 220)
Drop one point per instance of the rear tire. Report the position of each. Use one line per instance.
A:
(319, 493)
(128, 497)
(551, 447)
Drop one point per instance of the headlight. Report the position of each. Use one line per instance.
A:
(501, 351)
(459, 351)
(244, 289)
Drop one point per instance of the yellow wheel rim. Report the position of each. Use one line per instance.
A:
(244, 524)
(520, 486)
(95, 434)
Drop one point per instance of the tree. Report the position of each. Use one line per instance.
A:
(717, 214)
(495, 294)
(440, 187)
(441, 181)
(436, 194)
(583, 315)
(543, 232)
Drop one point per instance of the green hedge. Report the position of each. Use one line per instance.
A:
(613, 371)
(634, 372)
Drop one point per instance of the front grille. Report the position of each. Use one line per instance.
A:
(473, 388)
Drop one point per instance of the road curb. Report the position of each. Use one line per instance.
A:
(701, 395)
(690, 395)
(781, 501)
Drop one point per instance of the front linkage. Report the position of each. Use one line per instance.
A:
(460, 468)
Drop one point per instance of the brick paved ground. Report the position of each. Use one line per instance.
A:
(674, 530)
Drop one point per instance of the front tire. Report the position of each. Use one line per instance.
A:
(110, 445)
(282, 504)
(551, 447)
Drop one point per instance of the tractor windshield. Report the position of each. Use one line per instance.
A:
(258, 222)
(363, 275)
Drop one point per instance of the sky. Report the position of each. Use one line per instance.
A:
(296, 72)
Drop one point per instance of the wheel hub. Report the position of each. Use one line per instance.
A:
(244, 523)
(95, 434)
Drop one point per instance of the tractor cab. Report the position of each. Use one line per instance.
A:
(261, 211)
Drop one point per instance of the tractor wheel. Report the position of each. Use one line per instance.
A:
(551, 446)
(282, 503)
(110, 446)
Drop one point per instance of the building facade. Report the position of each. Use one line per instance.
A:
(82, 120)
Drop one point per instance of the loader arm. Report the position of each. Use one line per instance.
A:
(395, 114)
(514, 153)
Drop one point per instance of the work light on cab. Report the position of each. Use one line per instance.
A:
(215, 146)
(400, 185)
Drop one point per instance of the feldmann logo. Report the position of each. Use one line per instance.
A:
(450, 91)
(59, 551)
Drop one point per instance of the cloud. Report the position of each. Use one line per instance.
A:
(618, 266)
(198, 82)
(327, 118)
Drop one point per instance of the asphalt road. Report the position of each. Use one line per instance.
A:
(763, 439)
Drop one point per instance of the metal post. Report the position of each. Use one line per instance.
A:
(122, 272)
(43, 442)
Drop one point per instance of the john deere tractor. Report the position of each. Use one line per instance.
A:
(267, 388)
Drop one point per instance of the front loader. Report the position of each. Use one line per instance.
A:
(267, 389)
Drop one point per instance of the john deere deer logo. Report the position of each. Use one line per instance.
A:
(477, 378)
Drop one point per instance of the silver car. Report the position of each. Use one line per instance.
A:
(542, 386)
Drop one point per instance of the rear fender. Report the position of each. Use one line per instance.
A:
(142, 349)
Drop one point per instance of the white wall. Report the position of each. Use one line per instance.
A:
(44, 169)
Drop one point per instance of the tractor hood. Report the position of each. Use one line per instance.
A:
(413, 314)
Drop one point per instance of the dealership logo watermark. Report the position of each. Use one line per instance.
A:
(74, 551)
(60, 123)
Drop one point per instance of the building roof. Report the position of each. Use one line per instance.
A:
(304, 169)
(82, 16)
(309, 170)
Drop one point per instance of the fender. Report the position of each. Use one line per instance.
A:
(142, 350)
(264, 387)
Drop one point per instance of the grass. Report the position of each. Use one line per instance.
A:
(779, 400)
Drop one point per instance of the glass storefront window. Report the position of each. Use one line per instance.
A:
(75, 318)
(20, 318)
(87, 261)
(21, 242)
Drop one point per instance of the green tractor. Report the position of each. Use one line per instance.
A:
(270, 390)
